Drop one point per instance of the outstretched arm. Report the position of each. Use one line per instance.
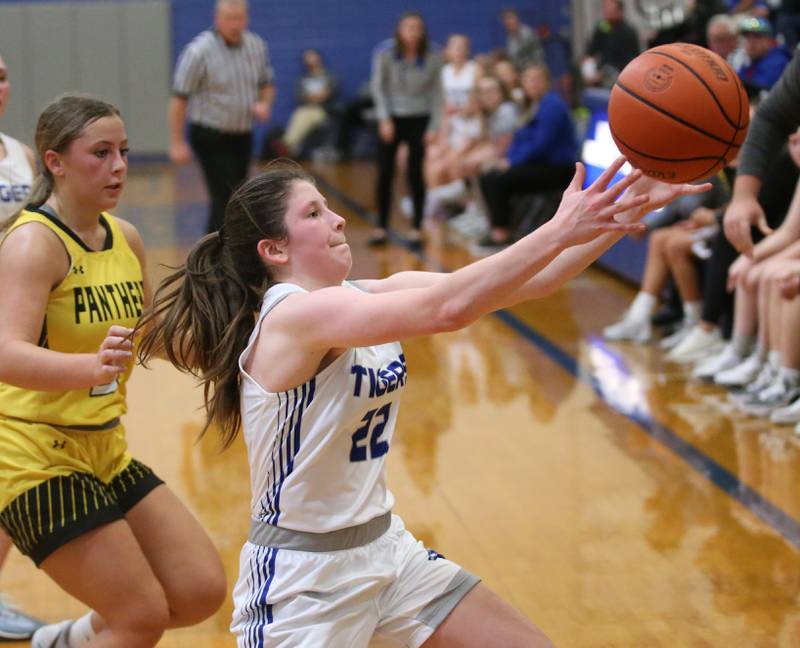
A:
(570, 262)
(341, 317)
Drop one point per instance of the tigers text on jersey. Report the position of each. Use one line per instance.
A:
(16, 178)
(317, 451)
(101, 288)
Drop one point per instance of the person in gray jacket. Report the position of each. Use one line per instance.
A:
(406, 88)
(778, 116)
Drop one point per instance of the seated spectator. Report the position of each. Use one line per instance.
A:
(738, 364)
(500, 118)
(460, 125)
(541, 157)
(508, 74)
(722, 35)
(670, 254)
(523, 45)
(767, 58)
(316, 92)
(613, 44)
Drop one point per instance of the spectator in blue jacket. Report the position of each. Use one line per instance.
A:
(767, 59)
(541, 157)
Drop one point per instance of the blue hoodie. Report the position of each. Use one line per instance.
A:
(548, 138)
(764, 72)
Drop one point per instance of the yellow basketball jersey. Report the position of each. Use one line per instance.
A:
(102, 288)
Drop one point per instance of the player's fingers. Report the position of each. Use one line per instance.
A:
(577, 179)
(626, 228)
(695, 189)
(623, 205)
(615, 190)
(763, 227)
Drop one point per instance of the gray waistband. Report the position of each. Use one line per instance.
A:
(267, 535)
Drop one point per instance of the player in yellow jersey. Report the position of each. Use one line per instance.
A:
(97, 521)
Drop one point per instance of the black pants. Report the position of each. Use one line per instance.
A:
(410, 130)
(224, 158)
(775, 195)
(499, 186)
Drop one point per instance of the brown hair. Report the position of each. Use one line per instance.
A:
(60, 124)
(422, 50)
(203, 314)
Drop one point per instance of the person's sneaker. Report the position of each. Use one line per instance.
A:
(747, 392)
(786, 415)
(676, 337)
(708, 368)
(55, 635)
(629, 329)
(697, 345)
(777, 395)
(16, 625)
(742, 374)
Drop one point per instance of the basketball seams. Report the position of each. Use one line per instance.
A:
(674, 117)
(661, 159)
(733, 125)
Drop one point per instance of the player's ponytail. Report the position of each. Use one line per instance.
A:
(203, 314)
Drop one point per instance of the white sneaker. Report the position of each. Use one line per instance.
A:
(786, 415)
(778, 395)
(14, 624)
(765, 378)
(55, 635)
(673, 340)
(727, 359)
(697, 345)
(629, 328)
(742, 374)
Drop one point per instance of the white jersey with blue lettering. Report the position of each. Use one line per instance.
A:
(16, 178)
(317, 451)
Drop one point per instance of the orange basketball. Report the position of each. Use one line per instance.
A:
(678, 112)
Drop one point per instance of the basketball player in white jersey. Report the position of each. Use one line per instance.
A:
(17, 170)
(17, 166)
(315, 387)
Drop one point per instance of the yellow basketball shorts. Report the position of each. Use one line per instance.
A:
(57, 484)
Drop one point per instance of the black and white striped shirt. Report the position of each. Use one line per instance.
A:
(222, 81)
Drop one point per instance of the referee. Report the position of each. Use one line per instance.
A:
(224, 79)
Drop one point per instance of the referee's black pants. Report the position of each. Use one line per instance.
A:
(224, 158)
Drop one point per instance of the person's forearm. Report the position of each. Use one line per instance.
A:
(746, 187)
(176, 116)
(486, 285)
(28, 366)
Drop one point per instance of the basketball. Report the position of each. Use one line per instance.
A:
(678, 112)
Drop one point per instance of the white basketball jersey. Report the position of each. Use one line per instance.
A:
(456, 85)
(317, 451)
(16, 178)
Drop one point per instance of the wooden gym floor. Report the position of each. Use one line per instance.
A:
(592, 485)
